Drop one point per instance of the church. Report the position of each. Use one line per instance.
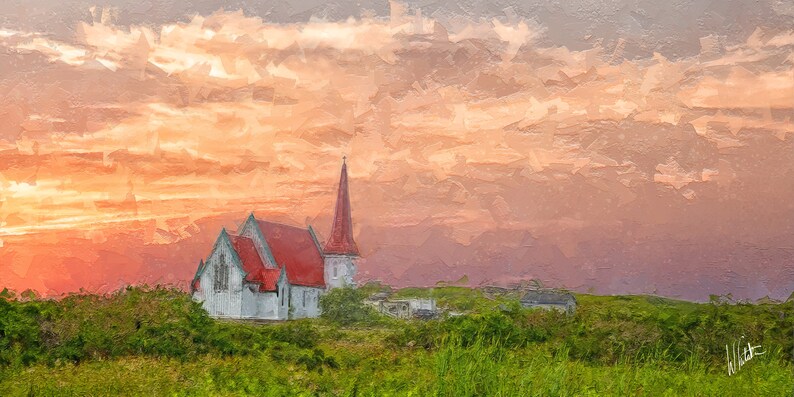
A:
(272, 271)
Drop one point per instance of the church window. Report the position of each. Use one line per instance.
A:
(222, 274)
(282, 296)
(334, 271)
(305, 298)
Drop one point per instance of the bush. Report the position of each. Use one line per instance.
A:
(167, 323)
(514, 327)
(136, 321)
(424, 334)
(23, 338)
(345, 306)
(298, 333)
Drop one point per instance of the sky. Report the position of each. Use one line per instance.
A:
(613, 147)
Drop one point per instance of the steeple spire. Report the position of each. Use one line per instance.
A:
(341, 241)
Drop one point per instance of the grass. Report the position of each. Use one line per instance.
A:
(459, 299)
(157, 342)
(478, 370)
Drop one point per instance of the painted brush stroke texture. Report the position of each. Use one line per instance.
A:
(496, 145)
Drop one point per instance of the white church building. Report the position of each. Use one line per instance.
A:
(273, 271)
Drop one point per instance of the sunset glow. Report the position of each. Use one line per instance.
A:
(474, 149)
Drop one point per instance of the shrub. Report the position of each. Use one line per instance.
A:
(298, 333)
(136, 321)
(422, 334)
(345, 306)
(315, 360)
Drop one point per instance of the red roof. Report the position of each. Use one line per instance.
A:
(247, 252)
(269, 279)
(252, 264)
(266, 278)
(295, 248)
(341, 240)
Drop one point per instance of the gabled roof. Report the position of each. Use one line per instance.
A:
(223, 238)
(294, 248)
(270, 279)
(250, 259)
(250, 262)
(266, 278)
(341, 240)
(268, 258)
(255, 269)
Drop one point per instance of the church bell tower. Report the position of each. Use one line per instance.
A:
(340, 250)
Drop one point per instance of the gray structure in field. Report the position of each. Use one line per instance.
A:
(403, 308)
(550, 300)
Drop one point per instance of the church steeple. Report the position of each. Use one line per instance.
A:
(341, 241)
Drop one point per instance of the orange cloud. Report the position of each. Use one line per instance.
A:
(456, 133)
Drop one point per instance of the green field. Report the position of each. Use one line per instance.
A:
(144, 341)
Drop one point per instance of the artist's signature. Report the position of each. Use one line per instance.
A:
(736, 359)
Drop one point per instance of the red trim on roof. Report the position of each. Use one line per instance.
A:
(294, 248)
(194, 285)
